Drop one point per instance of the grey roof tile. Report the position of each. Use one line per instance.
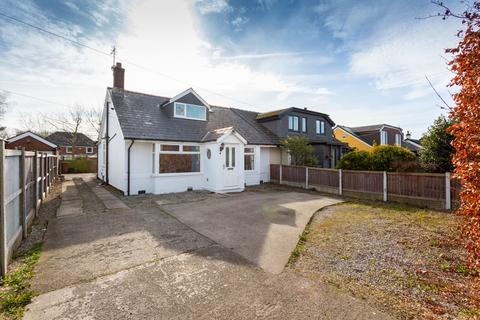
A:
(141, 118)
(62, 138)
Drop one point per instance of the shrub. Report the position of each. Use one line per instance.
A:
(301, 152)
(384, 157)
(355, 160)
(379, 158)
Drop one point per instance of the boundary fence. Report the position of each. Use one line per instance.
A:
(25, 181)
(433, 190)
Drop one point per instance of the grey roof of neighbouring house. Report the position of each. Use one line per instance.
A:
(412, 144)
(373, 127)
(62, 138)
(141, 118)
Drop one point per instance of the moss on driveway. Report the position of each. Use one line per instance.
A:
(405, 261)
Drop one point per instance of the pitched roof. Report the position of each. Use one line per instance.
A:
(32, 135)
(280, 112)
(412, 144)
(62, 138)
(373, 127)
(353, 134)
(141, 117)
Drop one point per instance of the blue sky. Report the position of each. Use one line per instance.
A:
(363, 62)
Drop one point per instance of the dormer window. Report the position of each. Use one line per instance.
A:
(189, 111)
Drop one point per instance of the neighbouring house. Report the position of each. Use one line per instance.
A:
(30, 142)
(411, 144)
(71, 145)
(155, 144)
(377, 134)
(346, 135)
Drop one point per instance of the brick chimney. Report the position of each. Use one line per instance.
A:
(118, 76)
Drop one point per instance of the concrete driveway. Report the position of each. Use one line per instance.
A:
(262, 226)
(132, 260)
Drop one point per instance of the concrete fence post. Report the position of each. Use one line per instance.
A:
(340, 182)
(23, 198)
(448, 194)
(280, 174)
(3, 224)
(42, 177)
(306, 177)
(385, 189)
(35, 185)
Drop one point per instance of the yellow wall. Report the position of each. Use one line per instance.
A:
(352, 141)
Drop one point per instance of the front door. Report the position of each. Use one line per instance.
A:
(230, 169)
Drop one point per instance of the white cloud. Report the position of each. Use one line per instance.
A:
(163, 39)
(210, 6)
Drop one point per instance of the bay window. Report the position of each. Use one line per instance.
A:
(249, 156)
(178, 158)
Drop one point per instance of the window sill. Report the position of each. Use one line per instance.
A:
(175, 174)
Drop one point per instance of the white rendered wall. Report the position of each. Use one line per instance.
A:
(141, 162)
(265, 164)
(116, 150)
(252, 177)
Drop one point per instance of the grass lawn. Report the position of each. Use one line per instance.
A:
(407, 262)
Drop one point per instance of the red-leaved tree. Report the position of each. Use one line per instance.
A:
(465, 64)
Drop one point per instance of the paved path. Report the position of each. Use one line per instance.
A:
(263, 227)
(140, 263)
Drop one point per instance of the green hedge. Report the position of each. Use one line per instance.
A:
(379, 158)
(79, 165)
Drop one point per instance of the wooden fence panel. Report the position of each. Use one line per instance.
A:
(323, 177)
(19, 193)
(274, 172)
(293, 174)
(431, 186)
(363, 181)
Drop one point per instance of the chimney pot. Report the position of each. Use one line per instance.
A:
(305, 108)
(118, 76)
(409, 135)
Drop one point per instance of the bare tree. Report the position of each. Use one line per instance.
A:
(93, 117)
(3, 108)
(38, 123)
(70, 122)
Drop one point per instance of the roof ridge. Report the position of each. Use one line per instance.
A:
(142, 93)
(250, 124)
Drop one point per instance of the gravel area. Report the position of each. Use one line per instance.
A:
(407, 262)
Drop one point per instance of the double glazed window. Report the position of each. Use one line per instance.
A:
(89, 149)
(249, 156)
(304, 125)
(320, 127)
(398, 139)
(174, 158)
(383, 137)
(293, 123)
(189, 111)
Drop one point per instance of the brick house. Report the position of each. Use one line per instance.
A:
(31, 142)
(84, 146)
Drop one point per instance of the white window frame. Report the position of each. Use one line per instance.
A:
(245, 153)
(87, 150)
(184, 115)
(304, 124)
(158, 152)
(68, 150)
(398, 139)
(295, 123)
(320, 127)
(383, 137)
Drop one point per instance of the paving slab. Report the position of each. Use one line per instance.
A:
(209, 283)
(81, 248)
(109, 200)
(263, 227)
(72, 203)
